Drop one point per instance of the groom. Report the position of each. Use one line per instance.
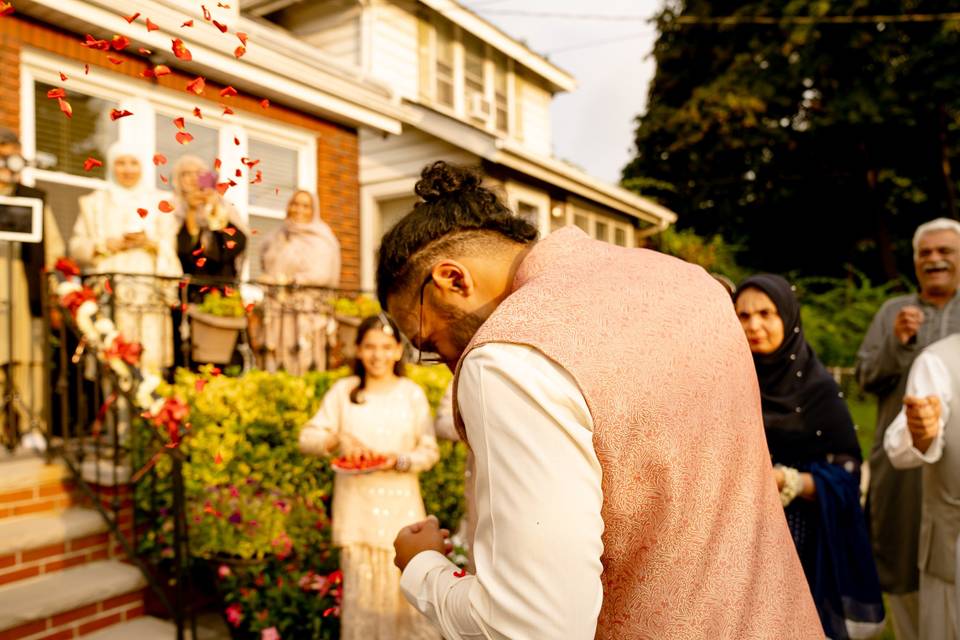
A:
(623, 486)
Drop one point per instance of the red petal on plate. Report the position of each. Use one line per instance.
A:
(181, 51)
(222, 187)
(119, 43)
(228, 92)
(197, 85)
(91, 163)
(206, 12)
(56, 93)
(116, 114)
(130, 19)
(65, 107)
(86, 69)
(165, 206)
(159, 159)
(239, 51)
(243, 37)
(217, 164)
(221, 26)
(196, 112)
(178, 123)
(227, 111)
(183, 137)
(229, 231)
(236, 141)
(63, 77)
(201, 262)
(264, 104)
(164, 179)
(230, 244)
(151, 26)
(188, 23)
(142, 213)
(115, 60)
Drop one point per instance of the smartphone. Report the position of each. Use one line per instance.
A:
(207, 180)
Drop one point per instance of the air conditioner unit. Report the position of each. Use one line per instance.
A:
(479, 107)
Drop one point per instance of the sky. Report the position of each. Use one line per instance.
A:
(592, 126)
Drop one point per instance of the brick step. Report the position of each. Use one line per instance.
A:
(43, 543)
(30, 485)
(71, 603)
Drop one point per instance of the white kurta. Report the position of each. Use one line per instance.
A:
(370, 509)
(538, 500)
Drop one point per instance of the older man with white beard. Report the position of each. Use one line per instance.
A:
(903, 327)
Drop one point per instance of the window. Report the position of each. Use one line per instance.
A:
(582, 221)
(601, 231)
(262, 228)
(205, 145)
(444, 64)
(64, 143)
(529, 212)
(620, 236)
(279, 180)
(500, 93)
(474, 86)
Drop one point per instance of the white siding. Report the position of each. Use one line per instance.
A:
(332, 26)
(395, 48)
(404, 156)
(533, 111)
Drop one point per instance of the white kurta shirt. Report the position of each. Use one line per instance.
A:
(538, 542)
(928, 377)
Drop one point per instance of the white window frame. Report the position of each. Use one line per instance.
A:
(517, 193)
(613, 223)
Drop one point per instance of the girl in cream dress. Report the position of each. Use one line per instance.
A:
(377, 412)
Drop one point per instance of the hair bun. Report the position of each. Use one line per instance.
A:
(441, 180)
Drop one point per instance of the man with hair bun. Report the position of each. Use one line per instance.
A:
(902, 328)
(623, 487)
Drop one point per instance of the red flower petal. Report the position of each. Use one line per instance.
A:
(63, 77)
(178, 123)
(86, 69)
(159, 159)
(151, 26)
(227, 111)
(222, 187)
(243, 38)
(148, 73)
(165, 206)
(145, 52)
(258, 179)
(56, 93)
(199, 385)
(198, 252)
(115, 60)
(6, 9)
(264, 104)
(221, 26)
(142, 212)
(201, 262)
(197, 85)
(228, 92)
(116, 114)
(217, 164)
(197, 113)
(230, 244)
(181, 51)
(65, 107)
(164, 179)
(460, 573)
(188, 23)
(120, 43)
(92, 43)
(91, 163)
(183, 137)
(239, 51)
(236, 141)
(230, 231)
(206, 12)
(238, 173)
(130, 19)
(161, 70)
(106, 285)
(222, 5)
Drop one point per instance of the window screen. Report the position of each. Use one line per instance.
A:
(67, 142)
(279, 167)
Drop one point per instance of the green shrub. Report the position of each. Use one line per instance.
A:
(224, 306)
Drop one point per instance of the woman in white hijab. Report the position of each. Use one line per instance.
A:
(111, 236)
(304, 252)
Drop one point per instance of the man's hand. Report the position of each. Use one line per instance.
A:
(907, 323)
(425, 535)
(923, 420)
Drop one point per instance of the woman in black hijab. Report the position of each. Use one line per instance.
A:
(813, 446)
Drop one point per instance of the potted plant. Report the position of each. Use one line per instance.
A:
(215, 325)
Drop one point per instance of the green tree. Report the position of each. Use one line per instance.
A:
(810, 147)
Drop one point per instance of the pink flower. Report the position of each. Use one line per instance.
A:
(270, 634)
(234, 614)
(223, 571)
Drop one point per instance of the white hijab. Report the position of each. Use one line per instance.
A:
(129, 199)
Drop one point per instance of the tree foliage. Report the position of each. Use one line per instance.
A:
(809, 146)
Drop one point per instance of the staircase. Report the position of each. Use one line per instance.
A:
(61, 574)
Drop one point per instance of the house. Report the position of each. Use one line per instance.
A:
(468, 93)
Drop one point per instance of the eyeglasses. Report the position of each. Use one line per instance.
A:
(14, 162)
(431, 358)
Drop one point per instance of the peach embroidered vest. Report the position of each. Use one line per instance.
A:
(695, 540)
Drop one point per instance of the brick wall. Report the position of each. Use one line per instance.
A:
(337, 147)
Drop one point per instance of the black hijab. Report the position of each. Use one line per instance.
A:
(804, 414)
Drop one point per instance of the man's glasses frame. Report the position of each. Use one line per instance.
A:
(431, 358)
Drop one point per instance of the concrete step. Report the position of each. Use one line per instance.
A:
(139, 629)
(29, 485)
(71, 602)
(43, 543)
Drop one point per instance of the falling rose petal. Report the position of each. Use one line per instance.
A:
(227, 111)
(254, 232)
(238, 173)
(222, 187)
(230, 244)
(6, 9)
(243, 37)
(178, 123)
(165, 206)
(197, 113)
(183, 137)
(228, 92)
(221, 26)
(236, 141)
(107, 286)
(188, 23)
(197, 85)
(65, 107)
(277, 191)
(181, 51)
(221, 5)
(92, 43)
(142, 213)
(161, 70)
(116, 114)
(91, 163)
(217, 164)
(159, 159)
(259, 178)
(56, 93)
(164, 179)
(130, 19)
(145, 52)
(249, 308)
(460, 573)
(198, 252)
(115, 60)
(86, 69)
(119, 43)
(231, 183)
(249, 163)
(239, 51)
(151, 26)
(206, 12)
(201, 262)
(264, 104)
(63, 77)
(229, 231)
(199, 385)
(148, 73)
